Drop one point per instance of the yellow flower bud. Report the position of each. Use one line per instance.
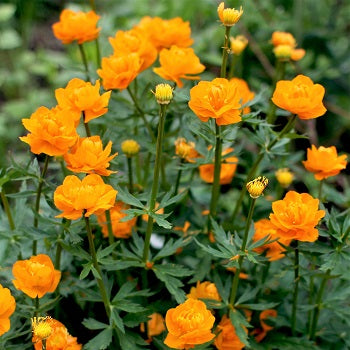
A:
(130, 147)
(163, 94)
(41, 328)
(283, 52)
(238, 44)
(183, 148)
(284, 176)
(257, 186)
(229, 16)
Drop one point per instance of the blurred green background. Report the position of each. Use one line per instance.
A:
(33, 63)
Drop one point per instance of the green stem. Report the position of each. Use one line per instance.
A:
(130, 175)
(142, 114)
(178, 177)
(93, 5)
(234, 61)
(37, 200)
(154, 191)
(242, 254)
(318, 304)
(146, 169)
(296, 288)
(86, 126)
(320, 190)
(225, 51)
(109, 227)
(7, 209)
(36, 307)
(98, 52)
(58, 255)
(43, 342)
(95, 264)
(83, 56)
(311, 294)
(257, 162)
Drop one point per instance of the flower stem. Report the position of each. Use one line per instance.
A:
(320, 190)
(257, 162)
(234, 61)
(86, 126)
(178, 178)
(95, 264)
(109, 227)
(98, 52)
(43, 343)
(83, 57)
(37, 200)
(296, 288)
(154, 191)
(36, 306)
(131, 182)
(242, 252)
(7, 209)
(225, 51)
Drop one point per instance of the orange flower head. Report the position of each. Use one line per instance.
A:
(244, 92)
(229, 16)
(76, 26)
(165, 33)
(90, 195)
(238, 44)
(134, 41)
(178, 62)
(36, 276)
(266, 314)
(88, 156)
(7, 308)
(155, 325)
(283, 52)
(257, 186)
(296, 216)
(81, 96)
(119, 72)
(300, 96)
(189, 324)
(204, 290)
(228, 169)
(324, 162)
(227, 339)
(163, 94)
(130, 147)
(121, 229)
(186, 150)
(51, 131)
(297, 54)
(41, 327)
(274, 251)
(283, 38)
(218, 99)
(284, 176)
(59, 338)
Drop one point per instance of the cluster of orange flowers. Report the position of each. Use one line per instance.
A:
(285, 46)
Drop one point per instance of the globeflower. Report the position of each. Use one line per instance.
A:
(7, 308)
(119, 71)
(164, 33)
(284, 177)
(218, 99)
(189, 324)
(36, 276)
(81, 96)
(88, 156)
(283, 38)
(51, 131)
(177, 63)
(89, 196)
(274, 251)
(238, 44)
(244, 93)
(121, 229)
(229, 16)
(155, 325)
(324, 162)
(204, 290)
(227, 339)
(296, 216)
(134, 41)
(264, 315)
(76, 26)
(186, 150)
(300, 96)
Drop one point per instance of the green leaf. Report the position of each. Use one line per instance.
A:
(238, 321)
(76, 251)
(117, 320)
(128, 198)
(128, 306)
(170, 248)
(6, 12)
(91, 323)
(166, 200)
(247, 295)
(85, 271)
(261, 306)
(101, 341)
(160, 220)
(102, 253)
(173, 270)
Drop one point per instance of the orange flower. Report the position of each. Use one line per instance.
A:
(244, 92)
(189, 324)
(266, 314)
(218, 99)
(79, 26)
(52, 131)
(165, 33)
(274, 251)
(229, 16)
(90, 194)
(297, 54)
(186, 150)
(59, 339)
(7, 308)
(36, 276)
(155, 325)
(228, 169)
(324, 162)
(300, 96)
(227, 339)
(238, 44)
(204, 290)
(177, 63)
(88, 156)
(81, 96)
(119, 72)
(296, 216)
(134, 41)
(283, 38)
(120, 229)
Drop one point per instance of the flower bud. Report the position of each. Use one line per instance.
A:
(41, 328)
(238, 44)
(284, 177)
(183, 148)
(163, 94)
(283, 52)
(297, 54)
(130, 147)
(229, 16)
(257, 186)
